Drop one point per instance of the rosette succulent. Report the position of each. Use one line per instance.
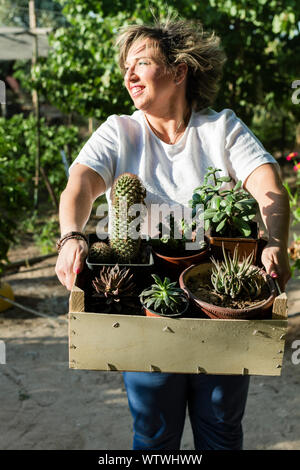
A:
(115, 287)
(164, 297)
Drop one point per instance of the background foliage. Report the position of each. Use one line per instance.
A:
(15, 13)
(17, 167)
(261, 40)
(81, 77)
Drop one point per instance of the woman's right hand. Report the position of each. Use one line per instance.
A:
(70, 261)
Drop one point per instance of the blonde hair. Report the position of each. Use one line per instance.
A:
(182, 41)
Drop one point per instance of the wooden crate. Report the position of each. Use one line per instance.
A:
(186, 345)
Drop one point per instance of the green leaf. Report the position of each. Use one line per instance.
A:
(228, 210)
(215, 202)
(157, 279)
(196, 198)
(248, 201)
(242, 226)
(149, 302)
(225, 179)
(209, 213)
(148, 292)
(237, 186)
(218, 217)
(229, 199)
(221, 226)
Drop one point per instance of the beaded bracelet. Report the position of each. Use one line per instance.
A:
(68, 236)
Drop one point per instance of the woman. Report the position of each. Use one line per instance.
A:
(171, 72)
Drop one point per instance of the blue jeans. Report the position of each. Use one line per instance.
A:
(158, 401)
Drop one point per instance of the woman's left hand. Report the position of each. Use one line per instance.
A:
(276, 262)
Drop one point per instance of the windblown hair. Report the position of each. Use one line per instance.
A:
(182, 41)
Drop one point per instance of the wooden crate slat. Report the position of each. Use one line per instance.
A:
(279, 310)
(185, 345)
(123, 342)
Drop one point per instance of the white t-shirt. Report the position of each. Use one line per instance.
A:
(170, 173)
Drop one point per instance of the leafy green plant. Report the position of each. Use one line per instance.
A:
(53, 139)
(236, 279)
(14, 182)
(18, 144)
(164, 297)
(226, 212)
(17, 169)
(46, 236)
(172, 242)
(267, 31)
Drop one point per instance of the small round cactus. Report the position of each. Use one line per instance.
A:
(101, 252)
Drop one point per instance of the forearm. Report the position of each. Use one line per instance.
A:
(275, 212)
(266, 187)
(76, 201)
(74, 210)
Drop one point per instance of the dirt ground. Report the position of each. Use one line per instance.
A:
(46, 405)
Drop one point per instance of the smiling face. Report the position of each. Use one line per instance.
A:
(150, 84)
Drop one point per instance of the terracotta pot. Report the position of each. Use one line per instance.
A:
(245, 245)
(151, 313)
(174, 265)
(260, 310)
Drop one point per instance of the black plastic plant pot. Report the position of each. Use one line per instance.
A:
(142, 271)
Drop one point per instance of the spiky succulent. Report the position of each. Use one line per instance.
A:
(236, 278)
(164, 296)
(127, 190)
(100, 252)
(115, 287)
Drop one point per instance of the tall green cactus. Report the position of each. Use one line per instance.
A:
(126, 191)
